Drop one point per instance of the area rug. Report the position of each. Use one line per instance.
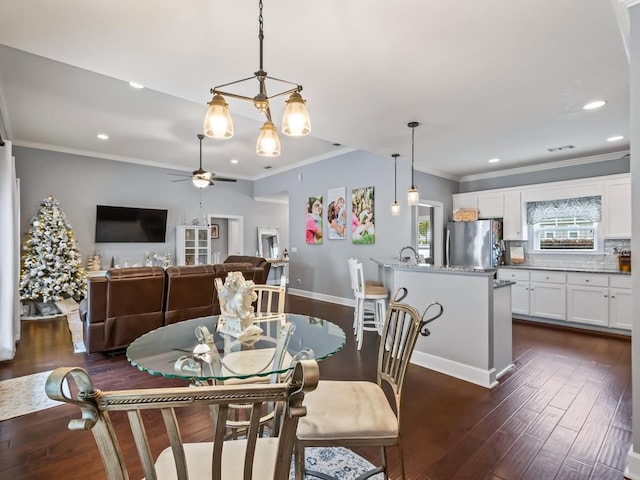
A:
(337, 462)
(23, 395)
(75, 327)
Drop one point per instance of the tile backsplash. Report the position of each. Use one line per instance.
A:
(607, 260)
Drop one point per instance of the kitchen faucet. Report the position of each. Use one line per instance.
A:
(406, 259)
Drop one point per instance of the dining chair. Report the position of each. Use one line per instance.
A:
(270, 300)
(357, 413)
(249, 458)
(364, 294)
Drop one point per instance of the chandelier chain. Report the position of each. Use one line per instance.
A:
(261, 31)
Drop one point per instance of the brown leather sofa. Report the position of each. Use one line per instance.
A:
(190, 293)
(129, 302)
(123, 305)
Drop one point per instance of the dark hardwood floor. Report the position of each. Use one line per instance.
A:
(564, 412)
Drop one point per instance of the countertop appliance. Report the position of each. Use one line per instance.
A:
(475, 244)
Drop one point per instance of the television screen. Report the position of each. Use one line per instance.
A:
(126, 224)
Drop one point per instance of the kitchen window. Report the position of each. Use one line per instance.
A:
(567, 225)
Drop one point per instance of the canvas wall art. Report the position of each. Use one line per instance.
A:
(314, 220)
(337, 213)
(362, 216)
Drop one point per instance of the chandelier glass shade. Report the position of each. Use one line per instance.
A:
(413, 197)
(395, 206)
(295, 122)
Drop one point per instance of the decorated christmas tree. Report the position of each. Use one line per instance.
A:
(51, 267)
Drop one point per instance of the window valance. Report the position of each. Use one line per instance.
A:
(588, 208)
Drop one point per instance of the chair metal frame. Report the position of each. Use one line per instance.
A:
(96, 407)
(400, 332)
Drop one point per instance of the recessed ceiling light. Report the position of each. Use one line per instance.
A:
(595, 104)
(615, 138)
(103, 136)
(494, 160)
(136, 85)
(234, 161)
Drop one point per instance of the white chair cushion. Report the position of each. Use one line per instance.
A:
(347, 410)
(199, 460)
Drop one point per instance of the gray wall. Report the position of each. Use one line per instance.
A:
(80, 183)
(322, 269)
(596, 169)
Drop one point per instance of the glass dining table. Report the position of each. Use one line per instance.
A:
(202, 350)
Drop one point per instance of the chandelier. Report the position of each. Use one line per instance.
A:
(395, 206)
(295, 122)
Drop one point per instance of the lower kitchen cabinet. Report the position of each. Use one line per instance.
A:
(588, 305)
(600, 300)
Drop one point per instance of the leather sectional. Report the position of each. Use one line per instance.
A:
(128, 302)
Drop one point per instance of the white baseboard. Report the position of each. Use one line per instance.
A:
(348, 302)
(632, 471)
(484, 378)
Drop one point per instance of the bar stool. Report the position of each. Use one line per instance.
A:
(367, 293)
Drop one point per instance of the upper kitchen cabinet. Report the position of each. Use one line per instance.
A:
(465, 200)
(616, 208)
(490, 205)
(512, 220)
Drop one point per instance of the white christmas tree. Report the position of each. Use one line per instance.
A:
(51, 264)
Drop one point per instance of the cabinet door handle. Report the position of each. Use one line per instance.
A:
(606, 296)
(587, 280)
(612, 296)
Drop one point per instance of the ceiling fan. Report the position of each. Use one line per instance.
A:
(202, 178)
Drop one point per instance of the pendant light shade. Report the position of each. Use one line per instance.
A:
(268, 142)
(413, 197)
(395, 206)
(296, 121)
(217, 121)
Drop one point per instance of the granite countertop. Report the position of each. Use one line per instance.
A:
(594, 269)
(424, 267)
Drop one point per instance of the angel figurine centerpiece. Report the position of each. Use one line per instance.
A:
(236, 296)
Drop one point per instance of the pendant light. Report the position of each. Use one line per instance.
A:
(413, 197)
(395, 206)
(295, 122)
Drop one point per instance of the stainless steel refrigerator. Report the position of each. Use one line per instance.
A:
(474, 244)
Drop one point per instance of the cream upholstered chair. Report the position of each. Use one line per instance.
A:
(377, 295)
(250, 458)
(357, 413)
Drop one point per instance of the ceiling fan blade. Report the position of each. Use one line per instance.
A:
(178, 175)
(182, 179)
(223, 179)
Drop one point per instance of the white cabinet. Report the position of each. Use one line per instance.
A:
(547, 300)
(620, 314)
(588, 305)
(519, 290)
(465, 200)
(491, 205)
(193, 246)
(512, 220)
(617, 208)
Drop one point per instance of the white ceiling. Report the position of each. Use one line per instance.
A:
(490, 78)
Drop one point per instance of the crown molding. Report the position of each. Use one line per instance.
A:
(302, 163)
(547, 166)
(630, 3)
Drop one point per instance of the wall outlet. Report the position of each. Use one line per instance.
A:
(299, 281)
(294, 249)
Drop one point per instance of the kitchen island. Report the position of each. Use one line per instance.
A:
(472, 340)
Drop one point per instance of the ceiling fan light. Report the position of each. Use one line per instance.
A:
(395, 209)
(296, 121)
(268, 142)
(217, 121)
(413, 197)
(200, 182)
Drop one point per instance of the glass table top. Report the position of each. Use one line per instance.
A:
(169, 351)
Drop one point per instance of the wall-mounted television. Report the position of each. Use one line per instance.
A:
(128, 224)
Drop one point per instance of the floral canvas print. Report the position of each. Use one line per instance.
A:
(314, 220)
(337, 213)
(362, 216)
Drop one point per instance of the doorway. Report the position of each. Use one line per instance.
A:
(229, 240)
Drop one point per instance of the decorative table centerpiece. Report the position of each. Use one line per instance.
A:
(236, 296)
